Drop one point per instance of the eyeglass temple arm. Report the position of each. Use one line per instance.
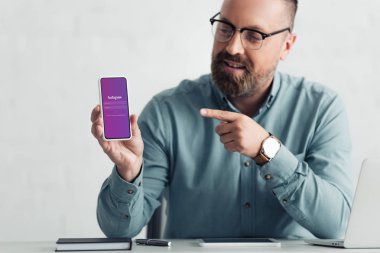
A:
(276, 32)
(214, 16)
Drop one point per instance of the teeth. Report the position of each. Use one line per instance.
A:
(235, 65)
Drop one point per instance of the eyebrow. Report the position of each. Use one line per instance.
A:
(254, 27)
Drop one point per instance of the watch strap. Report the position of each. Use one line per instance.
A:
(261, 159)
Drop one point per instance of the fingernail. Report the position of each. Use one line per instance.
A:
(203, 112)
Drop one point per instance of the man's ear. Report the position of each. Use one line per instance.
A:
(290, 40)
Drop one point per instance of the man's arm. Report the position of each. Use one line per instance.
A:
(124, 208)
(315, 188)
(114, 202)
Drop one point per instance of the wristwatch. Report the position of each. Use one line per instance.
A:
(269, 149)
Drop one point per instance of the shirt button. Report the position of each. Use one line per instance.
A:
(247, 163)
(268, 177)
(247, 205)
(285, 201)
(130, 191)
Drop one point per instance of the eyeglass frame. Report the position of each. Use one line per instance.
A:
(241, 30)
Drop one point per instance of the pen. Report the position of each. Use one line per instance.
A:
(153, 242)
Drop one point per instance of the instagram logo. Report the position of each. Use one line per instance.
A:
(114, 97)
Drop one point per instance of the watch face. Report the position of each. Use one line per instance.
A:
(271, 147)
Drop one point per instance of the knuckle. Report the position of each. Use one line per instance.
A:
(232, 145)
(238, 146)
(107, 149)
(221, 114)
(243, 120)
(239, 127)
(98, 131)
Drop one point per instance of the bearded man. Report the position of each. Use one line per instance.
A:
(245, 151)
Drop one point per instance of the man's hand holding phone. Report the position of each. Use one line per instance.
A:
(126, 154)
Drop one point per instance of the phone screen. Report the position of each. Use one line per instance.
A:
(115, 111)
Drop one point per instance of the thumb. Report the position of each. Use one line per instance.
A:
(134, 126)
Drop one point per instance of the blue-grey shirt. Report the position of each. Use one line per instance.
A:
(212, 192)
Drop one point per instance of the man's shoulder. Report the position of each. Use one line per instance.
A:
(305, 86)
(186, 88)
(181, 102)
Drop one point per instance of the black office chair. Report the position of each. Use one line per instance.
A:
(156, 225)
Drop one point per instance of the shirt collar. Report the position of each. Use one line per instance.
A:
(274, 89)
(224, 103)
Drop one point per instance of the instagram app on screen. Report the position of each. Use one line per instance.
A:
(114, 107)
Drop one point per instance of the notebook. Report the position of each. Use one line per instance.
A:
(364, 223)
(87, 244)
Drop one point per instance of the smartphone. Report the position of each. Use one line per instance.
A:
(114, 108)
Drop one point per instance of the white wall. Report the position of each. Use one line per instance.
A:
(52, 53)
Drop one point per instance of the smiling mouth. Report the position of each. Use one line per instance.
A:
(234, 65)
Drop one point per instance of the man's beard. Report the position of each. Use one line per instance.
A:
(238, 86)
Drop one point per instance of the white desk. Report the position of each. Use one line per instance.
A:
(180, 246)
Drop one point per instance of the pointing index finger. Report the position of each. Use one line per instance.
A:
(219, 114)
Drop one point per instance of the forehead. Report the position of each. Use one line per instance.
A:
(264, 14)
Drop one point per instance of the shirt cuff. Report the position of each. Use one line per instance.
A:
(280, 169)
(123, 190)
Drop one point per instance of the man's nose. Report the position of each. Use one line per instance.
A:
(235, 46)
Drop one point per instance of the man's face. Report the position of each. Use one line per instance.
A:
(242, 72)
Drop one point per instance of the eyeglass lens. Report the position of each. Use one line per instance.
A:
(224, 32)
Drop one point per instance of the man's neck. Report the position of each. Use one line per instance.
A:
(249, 105)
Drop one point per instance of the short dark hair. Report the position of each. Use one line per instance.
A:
(292, 5)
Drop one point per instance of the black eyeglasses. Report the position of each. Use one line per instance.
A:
(253, 39)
